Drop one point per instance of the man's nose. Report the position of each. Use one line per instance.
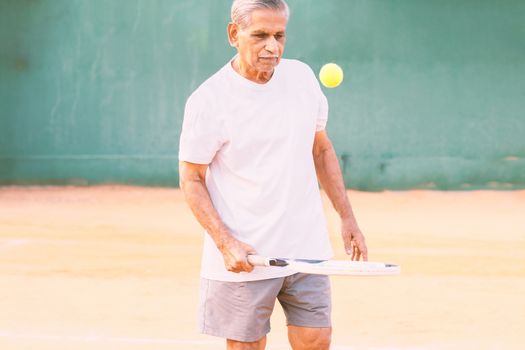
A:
(271, 45)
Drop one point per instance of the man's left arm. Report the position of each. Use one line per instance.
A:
(331, 180)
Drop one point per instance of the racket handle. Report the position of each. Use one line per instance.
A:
(257, 260)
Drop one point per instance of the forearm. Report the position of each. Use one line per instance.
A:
(193, 185)
(331, 180)
(198, 199)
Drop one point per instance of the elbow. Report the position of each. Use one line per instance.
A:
(191, 174)
(320, 152)
(187, 182)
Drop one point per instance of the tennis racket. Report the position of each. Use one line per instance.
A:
(328, 267)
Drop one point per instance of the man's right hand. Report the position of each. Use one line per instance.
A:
(234, 253)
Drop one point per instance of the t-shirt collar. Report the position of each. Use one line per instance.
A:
(251, 84)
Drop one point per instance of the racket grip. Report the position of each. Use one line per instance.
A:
(257, 260)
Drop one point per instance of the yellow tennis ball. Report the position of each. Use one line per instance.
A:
(331, 75)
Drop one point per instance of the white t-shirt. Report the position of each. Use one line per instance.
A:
(257, 140)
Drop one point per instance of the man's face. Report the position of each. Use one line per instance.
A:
(261, 44)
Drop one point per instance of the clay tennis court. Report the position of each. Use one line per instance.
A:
(115, 267)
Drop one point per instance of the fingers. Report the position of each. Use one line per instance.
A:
(364, 252)
(360, 251)
(235, 259)
(356, 253)
(357, 249)
(240, 266)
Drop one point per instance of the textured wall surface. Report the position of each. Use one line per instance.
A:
(434, 97)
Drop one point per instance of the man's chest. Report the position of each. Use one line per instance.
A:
(265, 120)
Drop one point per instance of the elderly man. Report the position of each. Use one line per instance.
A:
(252, 150)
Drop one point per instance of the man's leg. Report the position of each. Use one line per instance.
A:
(306, 301)
(239, 345)
(305, 338)
(238, 311)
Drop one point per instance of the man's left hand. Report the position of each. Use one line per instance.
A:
(354, 241)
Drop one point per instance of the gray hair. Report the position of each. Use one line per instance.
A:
(242, 9)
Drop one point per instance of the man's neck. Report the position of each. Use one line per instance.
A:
(251, 74)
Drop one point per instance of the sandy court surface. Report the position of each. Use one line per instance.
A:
(115, 267)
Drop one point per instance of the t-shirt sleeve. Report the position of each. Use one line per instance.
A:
(201, 136)
(322, 114)
(322, 102)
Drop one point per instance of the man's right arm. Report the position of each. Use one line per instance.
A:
(193, 185)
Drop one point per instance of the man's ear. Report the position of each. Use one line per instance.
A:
(233, 34)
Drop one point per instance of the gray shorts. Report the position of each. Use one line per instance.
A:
(241, 310)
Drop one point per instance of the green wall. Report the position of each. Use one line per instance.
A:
(93, 91)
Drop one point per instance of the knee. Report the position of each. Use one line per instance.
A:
(312, 339)
(320, 341)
